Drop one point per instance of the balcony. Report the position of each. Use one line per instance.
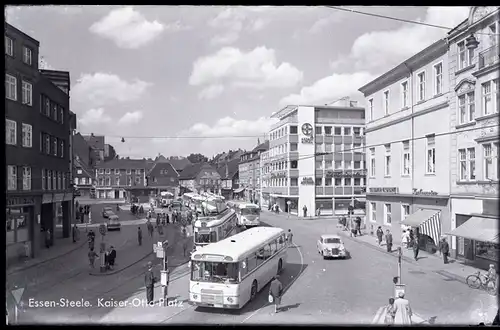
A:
(488, 57)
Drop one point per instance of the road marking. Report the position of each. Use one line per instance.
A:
(286, 288)
(179, 312)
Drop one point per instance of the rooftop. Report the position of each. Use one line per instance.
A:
(124, 163)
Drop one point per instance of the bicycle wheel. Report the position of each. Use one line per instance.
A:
(473, 281)
(491, 288)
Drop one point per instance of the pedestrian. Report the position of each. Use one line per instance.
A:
(47, 238)
(139, 235)
(304, 209)
(416, 248)
(158, 219)
(388, 240)
(412, 237)
(405, 238)
(149, 281)
(358, 225)
(75, 233)
(403, 311)
(112, 258)
(168, 219)
(185, 246)
(390, 312)
(92, 256)
(380, 233)
(289, 237)
(150, 228)
(275, 293)
(445, 250)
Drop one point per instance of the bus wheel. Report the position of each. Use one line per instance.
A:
(280, 266)
(253, 293)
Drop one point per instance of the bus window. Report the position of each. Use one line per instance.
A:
(281, 240)
(279, 243)
(213, 237)
(219, 232)
(251, 262)
(267, 251)
(261, 256)
(243, 269)
(272, 247)
(214, 271)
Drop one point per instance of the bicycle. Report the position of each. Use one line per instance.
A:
(475, 281)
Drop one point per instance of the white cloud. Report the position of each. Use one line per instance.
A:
(384, 49)
(211, 92)
(94, 117)
(323, 23)
(256, 69)
(127, 28)
(230, 127)
(258, 24)
(131, 118)
(329, 89)
(103, 88)
(177, 26)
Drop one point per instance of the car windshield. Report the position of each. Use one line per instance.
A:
(221, 272)
(331, 240)
(205, 237)
(250, 211)
(107, 209)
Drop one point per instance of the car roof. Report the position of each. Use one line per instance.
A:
(330, 236)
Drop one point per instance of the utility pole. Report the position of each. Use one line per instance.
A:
(400, 255)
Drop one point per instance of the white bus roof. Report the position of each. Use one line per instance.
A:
(212, 221)
(237, 246)
(243, 204)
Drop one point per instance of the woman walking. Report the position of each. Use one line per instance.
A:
(390, 312)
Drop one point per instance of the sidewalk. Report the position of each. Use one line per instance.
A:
(94, 201)
(454, 269)
(311, 217)
(415, 319)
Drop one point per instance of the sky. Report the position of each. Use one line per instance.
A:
(175, 80)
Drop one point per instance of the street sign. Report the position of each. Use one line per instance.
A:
(18, 293)
(159, 245)
(399, 288)
(102, 229)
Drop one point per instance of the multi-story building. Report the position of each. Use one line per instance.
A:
(474, 104)
(109, 152)
(97, 144)
(163, 177)
(83, 169)
(200, 177)
(316, 159)
(37, 124)
(408, 145)
(229, 178)
(178, 163)
(249, 171)
(123, 178)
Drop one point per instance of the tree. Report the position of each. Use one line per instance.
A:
(197, 158)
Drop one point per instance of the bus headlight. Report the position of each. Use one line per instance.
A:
(230, 299)
(195, 296)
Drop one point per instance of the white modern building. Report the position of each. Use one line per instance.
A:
(316, 160)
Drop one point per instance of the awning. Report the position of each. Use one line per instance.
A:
(428, 221)
(237, 191)
(479, 229)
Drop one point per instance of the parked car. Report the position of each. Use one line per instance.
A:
(113, 223)
(331, 246)
(107, 211)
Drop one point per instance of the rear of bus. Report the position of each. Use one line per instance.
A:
(249, 215)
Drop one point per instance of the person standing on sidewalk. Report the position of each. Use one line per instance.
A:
(403, 310)
(150, 228)
(445, 250)
(358, 225)
(289, 237)
(139, 235)
(47, 238)
(149, 281)
(388, 240)
(275, 293)
(390, 312)
(416, 248)
(75, 233)
(380, 234)
(92, 256)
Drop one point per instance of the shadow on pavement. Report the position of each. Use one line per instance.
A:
(288, 307)
(289, 275)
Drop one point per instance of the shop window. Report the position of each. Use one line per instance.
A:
(17, 227)
(487, 250)
(328, 130)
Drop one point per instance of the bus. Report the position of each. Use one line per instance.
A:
(230, 273)
(215, 221)
(248, 214)
(192, 200)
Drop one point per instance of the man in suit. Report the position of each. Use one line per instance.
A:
(388, 240)
(149, 281)
(416, 247)
(445, 250)
(276, 291)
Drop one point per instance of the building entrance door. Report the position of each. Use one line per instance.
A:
(117, 194)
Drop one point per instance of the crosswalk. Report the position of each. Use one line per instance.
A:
(381, 312)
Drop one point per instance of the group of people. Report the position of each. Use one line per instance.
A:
(351, 225)
(109, 255)
(388, 238)
(135, 209)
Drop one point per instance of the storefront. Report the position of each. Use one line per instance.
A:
(265, 200)
(239, 193)
(324, 205)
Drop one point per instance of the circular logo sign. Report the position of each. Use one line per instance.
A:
(307, 129)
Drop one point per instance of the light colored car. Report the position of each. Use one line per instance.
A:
(331, 246)
(113, 223)
(107, 211)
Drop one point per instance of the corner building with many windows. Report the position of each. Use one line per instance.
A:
(408, 146)
(474, 106)
(316, 159)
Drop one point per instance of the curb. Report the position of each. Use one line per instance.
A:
(46, 260)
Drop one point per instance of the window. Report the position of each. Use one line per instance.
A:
(387, 162)
(421, 86)
(61, 115)
(347, 164)
(387, 214)
(467, 160)
(129, 171)
(357, 181)
(357, 165)
(431, 155)
(319, 130)
(347, 181)
(372, 162)
(101, 171)
(108, 171)
(12, 177)
(59, 174)
(61, 154)
(373, 212)
(338, 182)
(49, 180)
(44, 179)
(27, 135)
(438, 79)
(54, 111)
(10, 87)
(466, 108)
(404, 94)
(319, 182)
(370, 108)
(79, 171)
(406, 158)
(465, 55)
(338, 164)
(10, 132)
(64, 180)
(138, 179)
(9, 46)
(491, 97)
(54, 180)
(338, 131)
(108, 181)
(27, 93)
(101, 182)
(117, 181)
(386, 102)
(356, 131)
(27, 55)
(117, 171)
(54, 146)
(405, 211)
(490, 161)
(319, 164)
(76, 181)
(47, 106)
(328, 130)
(129, 181)
(328, 182)
(347, 131)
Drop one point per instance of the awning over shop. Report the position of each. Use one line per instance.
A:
(428, 221)
(237, 191)
(479, 229)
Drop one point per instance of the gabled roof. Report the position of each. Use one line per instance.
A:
(263, 146)
(228, 169)
(179, 164)
(190, 172)
(124, 163)
(157, 167)
(96, 142)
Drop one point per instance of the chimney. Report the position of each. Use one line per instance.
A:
(354, 104)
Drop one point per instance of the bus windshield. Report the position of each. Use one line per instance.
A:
(206, 271)
(205, 237)
(250, 211)
(332, 240)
